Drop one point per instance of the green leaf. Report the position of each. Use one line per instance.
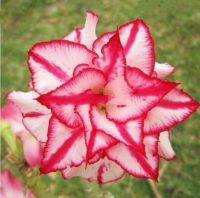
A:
(8, 136)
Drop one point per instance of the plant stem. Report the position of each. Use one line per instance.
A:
(152, 183)
(154, 189)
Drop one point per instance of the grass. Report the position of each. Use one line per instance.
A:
(175, 27)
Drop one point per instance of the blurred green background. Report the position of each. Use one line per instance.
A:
(175, 26)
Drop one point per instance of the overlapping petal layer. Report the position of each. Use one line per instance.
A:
(52, 63)
(103, 171)
(174, 108)
(141, 92)
(101, 105)
(65, 147)
(86, 35)
(35, 116)
(137, 45)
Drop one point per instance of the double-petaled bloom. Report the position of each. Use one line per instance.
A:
(101, 105)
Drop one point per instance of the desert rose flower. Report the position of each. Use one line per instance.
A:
(12, 187)
(31, 147)
(102, 106)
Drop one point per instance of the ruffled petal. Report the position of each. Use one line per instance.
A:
(40, 70)
(65, 147)
(55, 61)
(73, 36)
(174, 108)
(134, 162)
(135, 96)
(142, 83)
(66, 114)
(63, 100)
(80, 68)
(165, 149)
(86, 35)
(103, 171)
(95, 139)
(162, 70)
(100, 142)
(137, 44)
(129, 134)
(87, 79)
(108, 126)
(35, 116)
(113, 61)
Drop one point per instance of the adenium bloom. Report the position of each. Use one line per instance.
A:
(101, 105)
(11, 187)
(31, 147)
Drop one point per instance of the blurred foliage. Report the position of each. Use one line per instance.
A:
(175, 26)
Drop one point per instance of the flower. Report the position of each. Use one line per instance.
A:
(31, 147)
(101, 105)
(12, 187)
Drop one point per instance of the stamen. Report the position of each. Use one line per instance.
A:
(101, 108)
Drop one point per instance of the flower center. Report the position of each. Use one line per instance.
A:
(102, 93)
(101, 108)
